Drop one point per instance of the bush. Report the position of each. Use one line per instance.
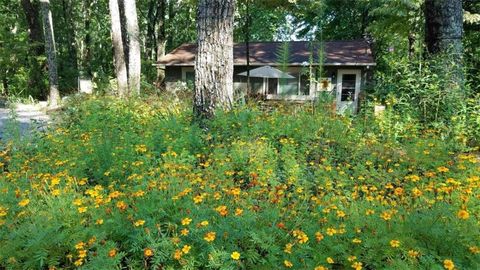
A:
(134, 184)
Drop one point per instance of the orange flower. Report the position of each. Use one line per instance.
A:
(148, 252)
(112, 252)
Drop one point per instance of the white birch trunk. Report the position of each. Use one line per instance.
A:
(50, 49)
(119, 55)
(133, 34)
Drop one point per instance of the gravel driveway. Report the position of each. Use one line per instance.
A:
(26, 115)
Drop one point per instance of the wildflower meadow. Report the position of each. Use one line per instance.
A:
(117, 184)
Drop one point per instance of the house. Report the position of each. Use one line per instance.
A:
(346, 69)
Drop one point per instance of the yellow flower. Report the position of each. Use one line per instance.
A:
(394, 243)
(356, 241)
(82, 253)
(235, 255)
(82, 209)
(238, 212)
(184, 232)
(148, 252)
(413, 253)
(288, 248)
(198, 199)
(340, 214)
(99, 221)
(222, 210)
(80, 245)
(139, 223)
(442, 169)
(24, 202)
(78, 262)
(210, 236)
(474, 249)
(331, 231)
(330, 260)
(186, 249)
(186, 221)
(122, 205)
(319, 236)
(320, 268)
(204, 223)
(287, 264)
(416, 192)
(463, 214)
(386, 216)
(357, 265)
(448, 264)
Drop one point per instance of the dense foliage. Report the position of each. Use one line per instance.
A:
(134, 184)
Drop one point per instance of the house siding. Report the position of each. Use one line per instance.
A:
(175, 74)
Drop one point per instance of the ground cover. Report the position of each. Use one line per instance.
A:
(135, 185)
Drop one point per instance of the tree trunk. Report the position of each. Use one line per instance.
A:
(247, 45)
(133, 35)
(119, 56)
(161, 38)
(37, 48)
(152, 17)
(444, 30)
(214, 59)
(54, 93)
(87, 52)
(444, 26)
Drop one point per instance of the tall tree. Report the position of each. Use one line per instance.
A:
(161, 37)
(133, 36)
(443, 36)
(444, 26)
(119, 55)
(54, 93)
(214, 59)
(37, 48)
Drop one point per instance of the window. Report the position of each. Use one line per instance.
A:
(272, 86)
(304, 85)
(348, 87)
(190, 77)
(288, 86)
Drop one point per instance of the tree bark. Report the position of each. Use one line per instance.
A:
(119, 56)
(54, 93)
(37, 48)
(152, 17)
(133, 35)
(161, 38)
(443, 37)
(214, 59)
(87, 52)
(444, 26)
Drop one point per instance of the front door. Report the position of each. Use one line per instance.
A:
(348, 89)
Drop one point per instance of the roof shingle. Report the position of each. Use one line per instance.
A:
(347, 53)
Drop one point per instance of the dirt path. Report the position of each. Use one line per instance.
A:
(26, 115)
